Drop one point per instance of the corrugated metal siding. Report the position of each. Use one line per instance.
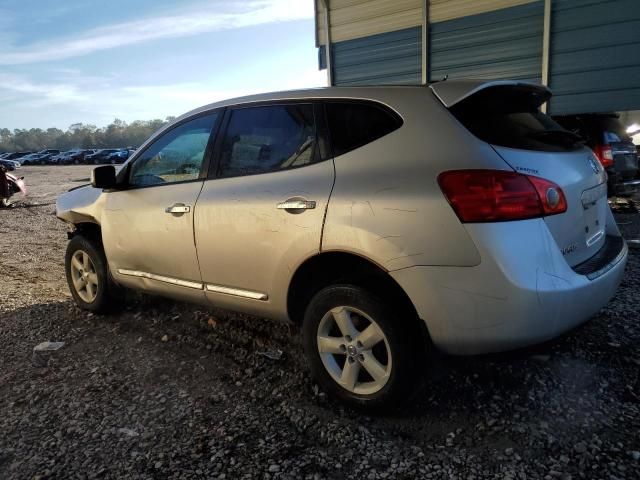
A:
(441, 10)
(504, 43)
(361, 18)
(384, 59)
(595, 56)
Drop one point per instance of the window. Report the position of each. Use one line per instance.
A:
(268, 139)
(509, 116)
(354, 124)
(176, 156)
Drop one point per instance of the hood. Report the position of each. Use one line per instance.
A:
(451, 92)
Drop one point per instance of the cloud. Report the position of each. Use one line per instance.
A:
(228, 15)
(46, 93)
(69, 98)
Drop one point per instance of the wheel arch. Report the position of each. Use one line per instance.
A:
(334, 267)
(88, 229)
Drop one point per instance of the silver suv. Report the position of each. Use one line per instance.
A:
(382, 220)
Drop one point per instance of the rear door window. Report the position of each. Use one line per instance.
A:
(354, 124)
(510, 117)
(268, 138)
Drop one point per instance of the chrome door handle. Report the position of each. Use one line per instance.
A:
(178, 208)
(296, 205)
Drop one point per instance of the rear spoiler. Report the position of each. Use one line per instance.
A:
(452, 92)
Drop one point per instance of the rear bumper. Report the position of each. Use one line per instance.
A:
(522, 293)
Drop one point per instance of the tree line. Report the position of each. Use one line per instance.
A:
(117, 134)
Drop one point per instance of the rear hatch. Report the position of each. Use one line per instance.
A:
(506, 115)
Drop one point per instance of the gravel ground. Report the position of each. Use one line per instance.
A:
(168, 390)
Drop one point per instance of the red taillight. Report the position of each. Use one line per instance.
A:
(604, 154)
(497, 195)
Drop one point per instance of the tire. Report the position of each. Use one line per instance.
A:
(395, 347)
(100, 294)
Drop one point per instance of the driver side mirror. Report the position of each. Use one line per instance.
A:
(104, 177)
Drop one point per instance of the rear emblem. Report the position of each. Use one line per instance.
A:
(593, 163)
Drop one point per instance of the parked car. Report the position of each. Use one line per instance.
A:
(71, 157)
(49, 151)
(383, 221)
(605, 134)
(118, 156)
(9, 165)
(100, 156)
(15, 155)
(35, 159)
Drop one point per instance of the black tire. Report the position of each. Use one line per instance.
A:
(403, 337)
(108, 297)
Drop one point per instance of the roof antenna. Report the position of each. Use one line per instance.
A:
(444, 79)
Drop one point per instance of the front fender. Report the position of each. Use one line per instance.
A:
(81, 205)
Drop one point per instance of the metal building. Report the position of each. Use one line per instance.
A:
(587, 51)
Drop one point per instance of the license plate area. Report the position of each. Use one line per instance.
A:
(593, 200)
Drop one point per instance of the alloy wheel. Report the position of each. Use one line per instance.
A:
(354, 350)
(84, 276)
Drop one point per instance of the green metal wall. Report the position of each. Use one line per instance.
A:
(383, 59)
(500, 44)
(595, 56)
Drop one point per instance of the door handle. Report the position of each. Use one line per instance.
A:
(296, 204)
(178, 208)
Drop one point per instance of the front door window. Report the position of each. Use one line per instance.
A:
(177, 156)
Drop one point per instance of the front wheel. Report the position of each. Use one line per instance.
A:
(359, 350)
(88, 276)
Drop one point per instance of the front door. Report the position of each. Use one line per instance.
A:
(148, 226)
(261, 214)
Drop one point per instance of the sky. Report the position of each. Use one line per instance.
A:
(91, 61)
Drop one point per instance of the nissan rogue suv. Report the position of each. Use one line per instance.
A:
(384, 221)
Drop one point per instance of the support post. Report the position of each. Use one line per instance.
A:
(546, 46)
(425, 42)
(327, 46)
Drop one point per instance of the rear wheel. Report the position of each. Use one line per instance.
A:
(88, 276)
(358, 348)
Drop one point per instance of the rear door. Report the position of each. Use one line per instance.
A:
(507, 116)
(261, 212)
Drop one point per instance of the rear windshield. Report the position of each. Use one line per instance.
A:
(509, 116)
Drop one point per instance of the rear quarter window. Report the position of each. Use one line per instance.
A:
(356, 123)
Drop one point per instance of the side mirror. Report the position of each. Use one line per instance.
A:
(104, 177)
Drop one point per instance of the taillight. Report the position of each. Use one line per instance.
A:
(604, 154)
(498, 195)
